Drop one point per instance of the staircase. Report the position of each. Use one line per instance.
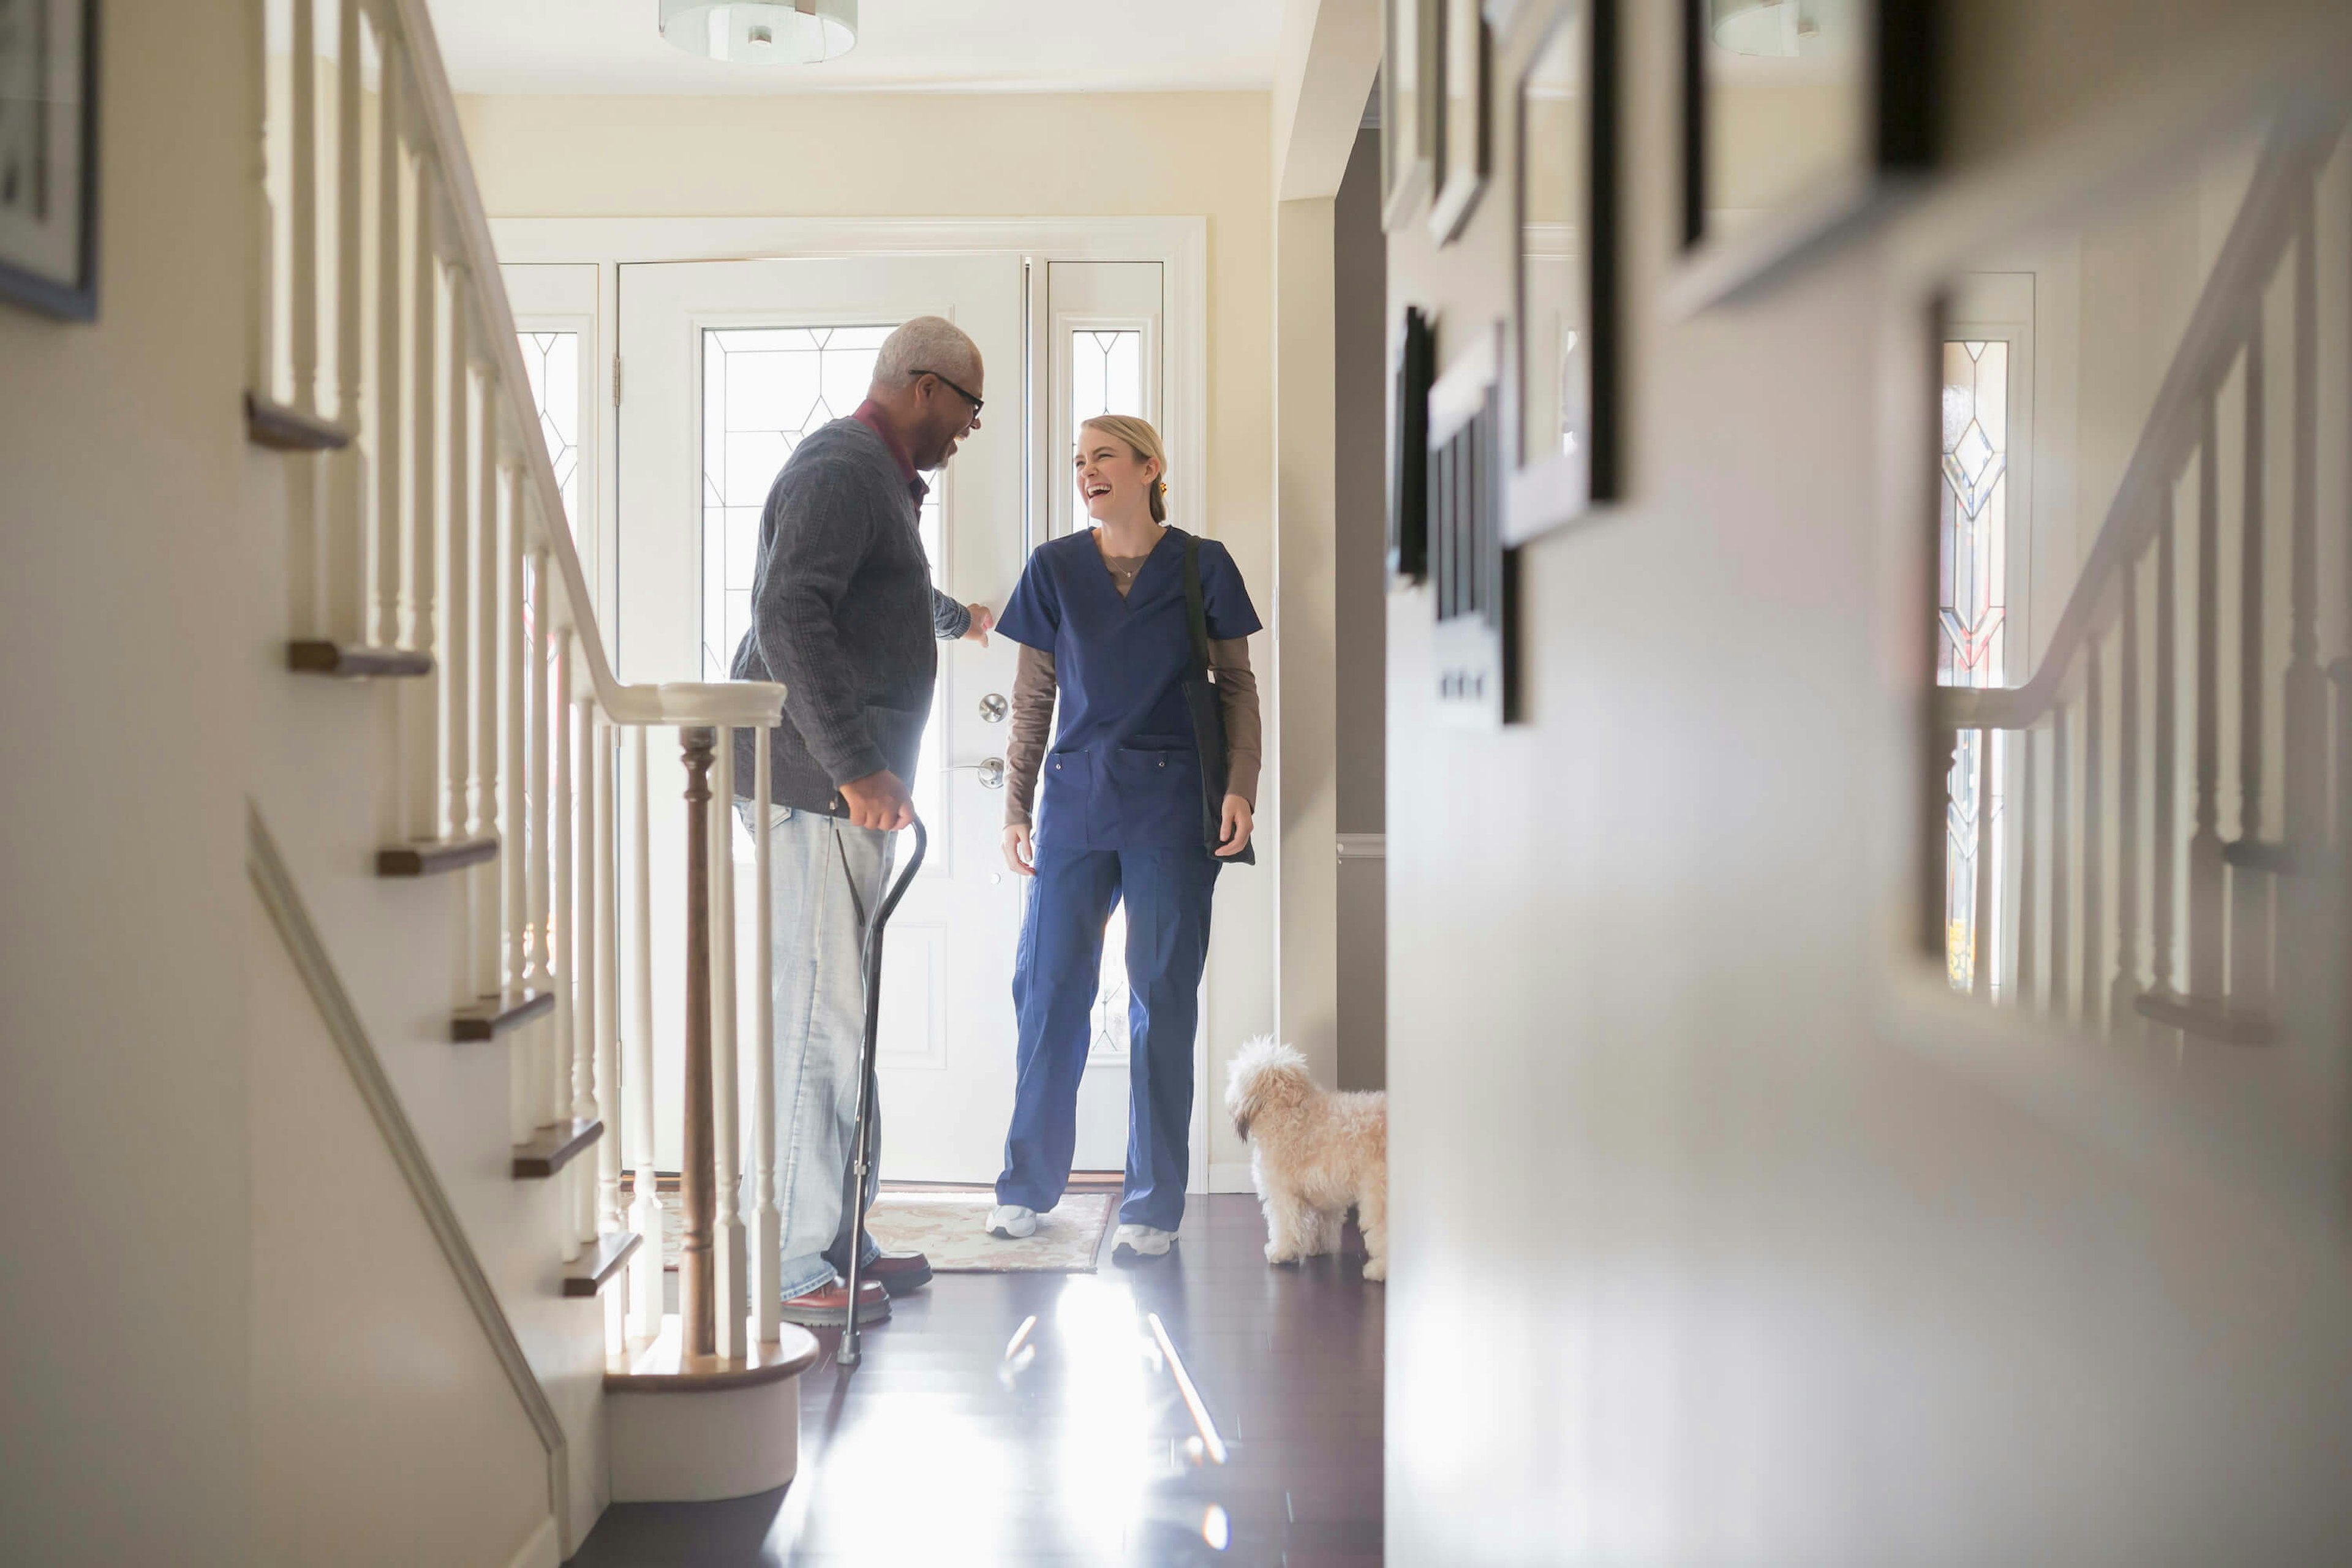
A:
(2181, 799)
(429, 552)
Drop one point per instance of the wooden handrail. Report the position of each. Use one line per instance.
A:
(2257, 239)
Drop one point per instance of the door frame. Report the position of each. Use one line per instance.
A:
(1180, 245)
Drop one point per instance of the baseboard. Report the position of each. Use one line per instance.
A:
(1230, 1177)
(543, 1549)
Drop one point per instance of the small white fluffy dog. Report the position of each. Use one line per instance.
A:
(1312, 1153)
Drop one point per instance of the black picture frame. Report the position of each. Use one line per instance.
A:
(68, 293)
(1547, 489)
(1897, 146)
(1416, 367)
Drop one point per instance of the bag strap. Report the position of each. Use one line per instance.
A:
(1192, 607)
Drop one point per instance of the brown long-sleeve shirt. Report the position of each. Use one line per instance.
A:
(1032, 713)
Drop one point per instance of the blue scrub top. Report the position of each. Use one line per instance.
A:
(1124, 773)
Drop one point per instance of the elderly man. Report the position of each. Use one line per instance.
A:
(844, 614)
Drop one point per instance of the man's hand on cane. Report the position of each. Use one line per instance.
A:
(878, 800)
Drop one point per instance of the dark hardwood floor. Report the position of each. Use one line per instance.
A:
(1078, 1449)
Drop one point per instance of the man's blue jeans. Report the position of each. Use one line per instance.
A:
(820, 994)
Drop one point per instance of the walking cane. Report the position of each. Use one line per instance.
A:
(861, 1138)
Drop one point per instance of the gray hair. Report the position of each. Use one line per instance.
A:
(930, 343)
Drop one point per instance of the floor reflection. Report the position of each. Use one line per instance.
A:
(1007, 1418)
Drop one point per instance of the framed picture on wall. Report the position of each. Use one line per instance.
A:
(48, 156)
(1409, 115)
(1462, 53)
(1562, 440)
(1801, 119)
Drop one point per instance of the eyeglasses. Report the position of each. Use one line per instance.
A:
(977, 405)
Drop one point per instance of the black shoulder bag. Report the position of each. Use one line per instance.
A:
(1207, 706)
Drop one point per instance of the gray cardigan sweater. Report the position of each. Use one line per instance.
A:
(844, 614)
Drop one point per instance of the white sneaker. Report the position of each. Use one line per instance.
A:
(1142, 1238)
(1011, 1222)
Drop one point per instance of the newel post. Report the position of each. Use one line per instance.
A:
(698, 1315)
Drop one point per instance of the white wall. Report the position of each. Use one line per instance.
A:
(950, 155)
(1717, 1236)
(123, 613)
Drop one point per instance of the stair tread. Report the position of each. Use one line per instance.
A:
(431, 857)
(600, 1263)
(494, 1016)
(553, 1148)
(659, 1364)
(284, 429)
(2208, 1018)
(356, 662)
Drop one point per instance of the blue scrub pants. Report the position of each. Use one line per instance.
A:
(1055, 977)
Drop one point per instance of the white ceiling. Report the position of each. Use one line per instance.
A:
(1000, 46)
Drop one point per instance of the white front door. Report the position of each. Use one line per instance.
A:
(725, 365)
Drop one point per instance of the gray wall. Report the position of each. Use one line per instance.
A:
(1360, 293)
(1721, 1232)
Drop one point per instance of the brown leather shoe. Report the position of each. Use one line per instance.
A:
(828, 1306)
(897, 1272)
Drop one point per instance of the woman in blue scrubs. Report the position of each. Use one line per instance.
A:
(1102, 619)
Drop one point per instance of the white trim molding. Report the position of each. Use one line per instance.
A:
(275, 884)
(1363, 847)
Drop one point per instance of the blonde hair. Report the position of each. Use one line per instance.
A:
(1144, 442)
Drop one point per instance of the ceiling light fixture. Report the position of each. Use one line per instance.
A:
(762, 32)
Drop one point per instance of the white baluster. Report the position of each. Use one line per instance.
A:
(608, 998)
(2164, 926)
(580, 910)
(2094, 848)
(767, 1253)
(303, 205)
(2207, 908)
(346, 556)
(646, 1207)
(490, 657)
(2249, 953)
(261, 218)
(539, 829)
(514, 863)
(564, 933)
(456, 676)
(726, 1120)
(391, 603)
(424, 801)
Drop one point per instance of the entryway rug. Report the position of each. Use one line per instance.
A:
(945, 1226)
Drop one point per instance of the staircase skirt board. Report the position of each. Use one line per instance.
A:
(356, 662)
(554, 1148)
(431, 857)
(601, 1263)
(494, 1016)
(2208, 1019)
(284, 429)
